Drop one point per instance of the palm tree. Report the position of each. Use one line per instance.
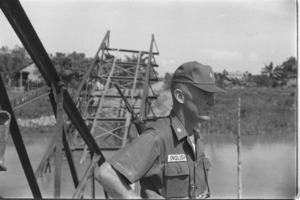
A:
(268, 70)
(225, 73)
(278, 73)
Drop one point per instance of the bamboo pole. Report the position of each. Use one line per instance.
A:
(238, 142)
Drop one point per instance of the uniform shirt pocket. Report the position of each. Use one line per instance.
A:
(176, 179)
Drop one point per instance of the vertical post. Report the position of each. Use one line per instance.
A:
(45, 158)
(93, 178)
(59, 137)
(21, 79)
(82, 184)
(238, 142)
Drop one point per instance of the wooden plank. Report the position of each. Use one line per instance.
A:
(93, 179)
(238, 143)
(131, 51)
(106, 119)
(127, 96)
(128, 78)
(91, 67)
(44, 161)
(128, 116)
(70, 160)
(58, 147)
(133, 64)
(143, 112)
(81, 187)
(110, 148)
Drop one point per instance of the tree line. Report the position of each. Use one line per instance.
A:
(72, 66)
(270, 76)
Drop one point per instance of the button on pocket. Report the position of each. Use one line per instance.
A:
(176, 179)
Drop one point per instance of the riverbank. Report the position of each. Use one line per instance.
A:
(263, 111)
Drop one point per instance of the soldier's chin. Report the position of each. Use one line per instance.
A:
(204, 118)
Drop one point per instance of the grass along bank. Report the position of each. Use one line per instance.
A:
(263, 111)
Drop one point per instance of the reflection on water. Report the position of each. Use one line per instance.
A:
(268, 166)
(268, 169)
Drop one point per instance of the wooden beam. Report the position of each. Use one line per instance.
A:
(58, 147)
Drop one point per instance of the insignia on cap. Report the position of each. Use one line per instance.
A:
(176, 157)
(179, 130)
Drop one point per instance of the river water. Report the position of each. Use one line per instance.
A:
(268, 169)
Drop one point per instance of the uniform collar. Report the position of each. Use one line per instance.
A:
(177, 126)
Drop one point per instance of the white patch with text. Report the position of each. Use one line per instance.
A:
(176, 157)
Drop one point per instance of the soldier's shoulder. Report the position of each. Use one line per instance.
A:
(160, 125)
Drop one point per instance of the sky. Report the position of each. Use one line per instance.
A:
(236, 35)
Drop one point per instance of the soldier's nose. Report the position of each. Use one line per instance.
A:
(211, 101)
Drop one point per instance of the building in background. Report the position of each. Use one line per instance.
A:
(25, 78)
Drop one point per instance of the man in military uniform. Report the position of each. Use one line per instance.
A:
(168, 157)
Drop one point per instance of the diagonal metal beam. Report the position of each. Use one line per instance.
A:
(18, 141)
(18, 19)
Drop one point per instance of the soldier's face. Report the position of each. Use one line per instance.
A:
(199, 104)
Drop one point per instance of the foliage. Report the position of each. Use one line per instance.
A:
(262, 80)
(268, 70)
(71, 67)
(282, 72)
(288, 68)
(270, 76)
(225, 73)
(167, 81)
(12, 59)
(263, 111)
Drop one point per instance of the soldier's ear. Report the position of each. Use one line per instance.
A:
(179, 96)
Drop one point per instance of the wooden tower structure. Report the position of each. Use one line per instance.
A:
(95, 119)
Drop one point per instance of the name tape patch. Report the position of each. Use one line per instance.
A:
(176, 157)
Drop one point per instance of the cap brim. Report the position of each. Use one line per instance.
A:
(209, 88)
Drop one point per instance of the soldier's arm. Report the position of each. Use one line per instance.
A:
(114, 183)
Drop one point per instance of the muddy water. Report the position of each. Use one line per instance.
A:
(268, 169)
(268, 166)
